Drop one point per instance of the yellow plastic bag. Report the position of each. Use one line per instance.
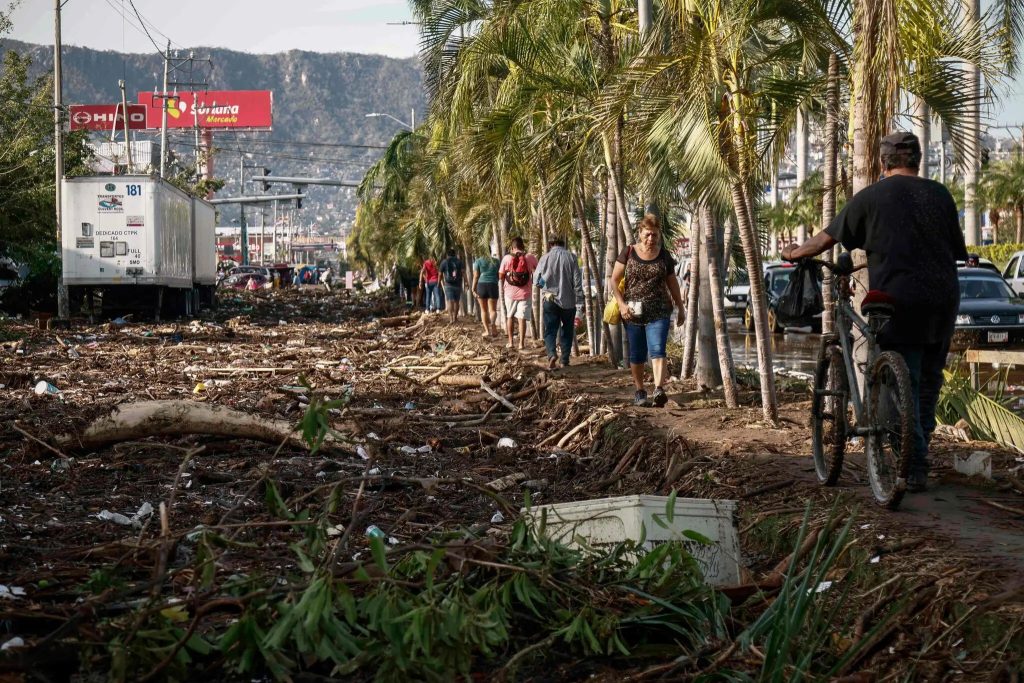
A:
(612, 316)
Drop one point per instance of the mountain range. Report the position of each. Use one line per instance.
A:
(320, 105)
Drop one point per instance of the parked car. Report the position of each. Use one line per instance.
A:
(262, 270)
(1013, 273)
(982, 263)
(241, 281)
(776, 277)
(990, 314)
(737, 290)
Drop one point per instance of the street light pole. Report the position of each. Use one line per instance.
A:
(63, 306)
(377, 114)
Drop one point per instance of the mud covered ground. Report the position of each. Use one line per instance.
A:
(931, 592)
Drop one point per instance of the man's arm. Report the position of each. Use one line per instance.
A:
(811, 247)
(541, 271)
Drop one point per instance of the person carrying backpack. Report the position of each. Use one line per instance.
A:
(453, 274)
(515, 272)
(428, 280)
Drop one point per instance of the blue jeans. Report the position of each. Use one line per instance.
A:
(432, 300)
(561, 323)
(650, 337)
(925, 362)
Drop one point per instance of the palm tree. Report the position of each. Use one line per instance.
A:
(1002, 188)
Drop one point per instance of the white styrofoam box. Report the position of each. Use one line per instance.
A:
(978, 462)
(605, 521)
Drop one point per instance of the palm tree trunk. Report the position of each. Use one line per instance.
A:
(589, 262)
(692, 299)
(828, 198)
(1018, 218)
(614, 334)
(758, 303)
(709, 371)
(717, 296)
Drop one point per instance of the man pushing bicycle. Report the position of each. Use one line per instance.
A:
(910, 229)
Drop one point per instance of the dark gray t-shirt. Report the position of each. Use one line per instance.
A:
(910, 229)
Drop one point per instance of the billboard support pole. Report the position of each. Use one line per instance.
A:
(163, 116)
(63, 305)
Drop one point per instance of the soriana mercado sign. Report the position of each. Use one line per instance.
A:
(212, 109)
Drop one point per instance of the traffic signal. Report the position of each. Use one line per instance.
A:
(264, 183)
(984, 157)
(299, 189)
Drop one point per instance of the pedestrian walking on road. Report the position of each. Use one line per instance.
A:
(453, 272)
(910, 228)
(327, 278)
(646, 305)
(516, 272)
(485, 286)
(429, 277)
(561, 283)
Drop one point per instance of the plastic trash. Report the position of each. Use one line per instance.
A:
(505, 442)
(200, 388)
(362, 453)
(409, 406)
(373, 472)
(497, 518)
(373, 435)
(145, 510)
(11, 592)
(977, 463)
(73, 354)
(120, 320)
(44, 387)
(14, 642)
(409, 450)
(374, 531)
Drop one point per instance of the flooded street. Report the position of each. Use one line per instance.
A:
(792, 350)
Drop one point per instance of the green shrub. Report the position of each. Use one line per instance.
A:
(998, 254)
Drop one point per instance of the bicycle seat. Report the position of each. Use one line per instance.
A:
(877, 302)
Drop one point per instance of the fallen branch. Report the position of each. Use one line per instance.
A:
(133, 421)
(1005, 508)
(464, 381)
(455, 364)
(498, 397)
(397, 321)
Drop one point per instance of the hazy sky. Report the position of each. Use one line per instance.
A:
(366, 26)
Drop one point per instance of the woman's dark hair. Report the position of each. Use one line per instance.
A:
(452, 253)
(517, 243)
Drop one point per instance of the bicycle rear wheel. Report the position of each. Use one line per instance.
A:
(891, 419)
(829, 413)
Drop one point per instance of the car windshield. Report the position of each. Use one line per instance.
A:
(780, 280)
(738, 278)
(985, 288)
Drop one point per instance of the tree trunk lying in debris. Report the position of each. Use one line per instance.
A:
(133, 421)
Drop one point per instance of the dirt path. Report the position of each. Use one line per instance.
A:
(953, 512)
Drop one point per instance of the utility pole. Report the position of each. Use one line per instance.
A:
(802, 139)
(644, 12)
(972, 150)
(163, 114)
(63, 306)
(923, 129)
(241, 212)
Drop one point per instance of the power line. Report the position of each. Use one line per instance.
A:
(144, 28)
(345, 145)
(132, 23)
(154, 26)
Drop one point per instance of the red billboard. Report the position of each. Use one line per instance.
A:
(211, 109)
(106, 117)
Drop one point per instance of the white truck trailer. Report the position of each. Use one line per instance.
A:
(138, 242)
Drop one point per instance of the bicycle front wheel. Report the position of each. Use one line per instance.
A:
(829, 413)
(891, 421)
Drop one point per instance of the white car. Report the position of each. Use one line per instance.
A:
(737, 287)
(1013, 273)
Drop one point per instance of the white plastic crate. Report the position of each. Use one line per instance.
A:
(605, 521)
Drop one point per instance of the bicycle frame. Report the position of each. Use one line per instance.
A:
(846, 318)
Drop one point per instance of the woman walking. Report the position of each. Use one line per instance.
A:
(516, 271)
(485, 285)
(429, 277)
(646, 305)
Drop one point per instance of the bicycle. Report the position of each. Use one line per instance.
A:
(882, 411)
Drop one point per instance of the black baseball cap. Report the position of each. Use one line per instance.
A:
(898, 142)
